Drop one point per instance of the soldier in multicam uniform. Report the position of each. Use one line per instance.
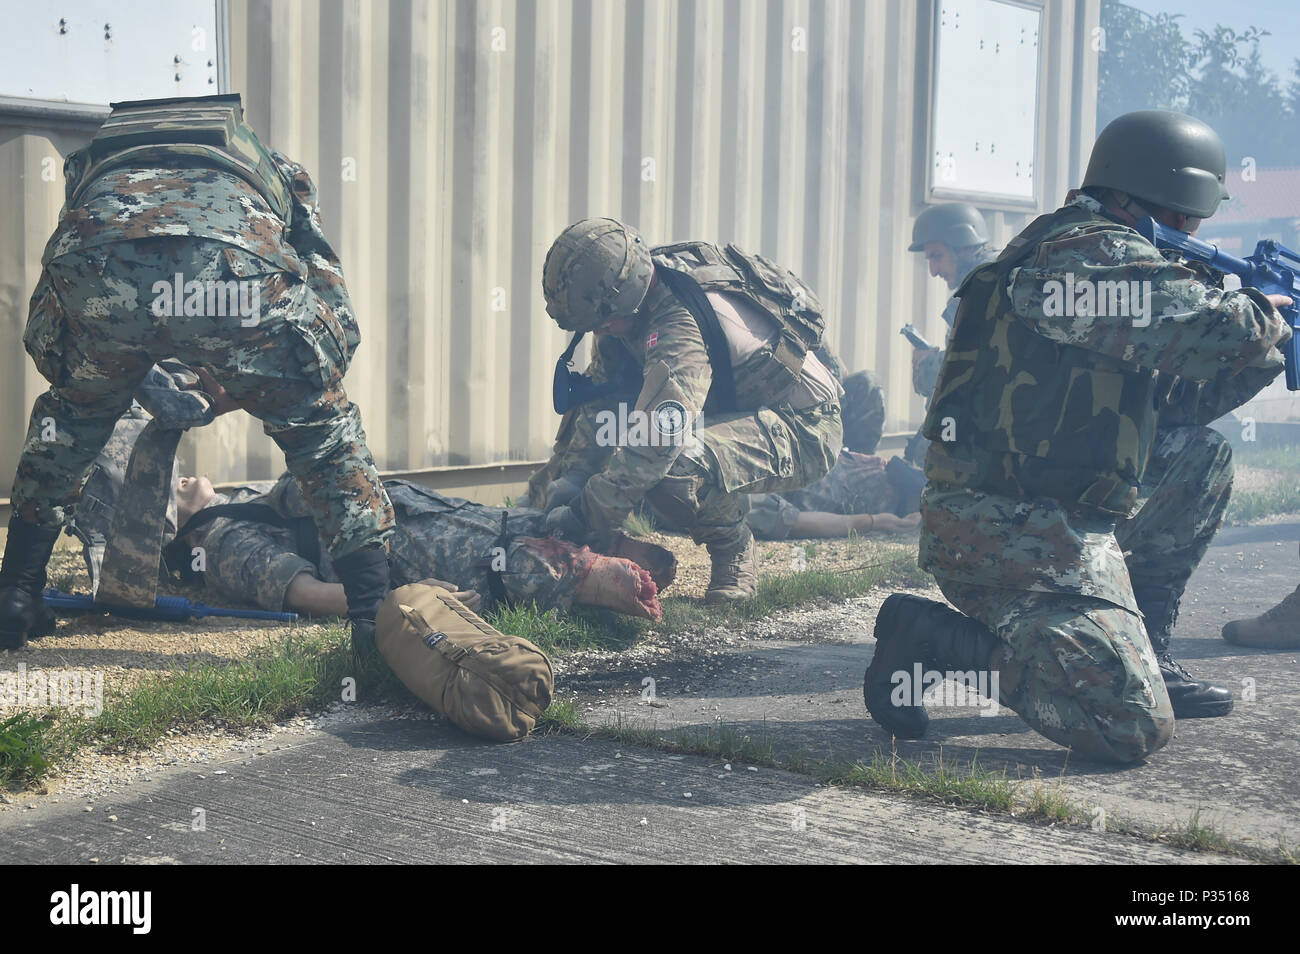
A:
(736, 400)
(182, 191)
(1046, 481)
(954, 238)
(862, 493)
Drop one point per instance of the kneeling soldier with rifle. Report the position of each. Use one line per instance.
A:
(1072, 489)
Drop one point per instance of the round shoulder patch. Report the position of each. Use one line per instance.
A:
(670, 417)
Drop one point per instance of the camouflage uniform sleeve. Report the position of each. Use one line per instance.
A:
(676, 366)
(1174, 324)
(306, 235)
(247, 563)
(1227, 392)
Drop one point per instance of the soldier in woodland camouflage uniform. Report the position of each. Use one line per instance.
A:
(954, 238)
(182, 236)
(737, 402)
(1057, 466)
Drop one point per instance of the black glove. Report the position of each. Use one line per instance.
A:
(563, 522)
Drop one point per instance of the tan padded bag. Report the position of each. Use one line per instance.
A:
(487, 683)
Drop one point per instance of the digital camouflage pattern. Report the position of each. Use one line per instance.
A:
(577, 447)
(134, 538)
(1078, 670)
(93, 520)
(1051, 577)
(93, 333)
(436, 536)
(1185, 493)
(166, 403)
(700, 483)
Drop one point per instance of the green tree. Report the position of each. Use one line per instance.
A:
(1219, 77)
(1143, 62)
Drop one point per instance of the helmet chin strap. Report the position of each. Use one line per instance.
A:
(567, 357)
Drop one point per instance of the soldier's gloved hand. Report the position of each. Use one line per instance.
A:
(564, 523)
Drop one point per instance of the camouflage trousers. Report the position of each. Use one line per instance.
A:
(765, 451)
(98, 321)
(1079, 669)
(1184, 494)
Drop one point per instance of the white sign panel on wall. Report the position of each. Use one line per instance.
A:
(100, 51)
(985, 105)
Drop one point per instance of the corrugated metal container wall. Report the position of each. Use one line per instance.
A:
(451, 141)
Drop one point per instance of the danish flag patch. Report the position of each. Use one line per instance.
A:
(652, 340)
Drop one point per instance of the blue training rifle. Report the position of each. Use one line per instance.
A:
(174, 609)
(1274, 270)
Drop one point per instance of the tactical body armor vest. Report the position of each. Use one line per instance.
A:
(771, 287)
(1029, 417)
(205, 130)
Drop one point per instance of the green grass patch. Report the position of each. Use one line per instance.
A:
(638, 525)
(26, 749)
(1251, 505)
(556, 632)
(785, 591)
(1052, 804)
(298, 674)
(970, 785)
(1284, 457)
(284, 679)
(1196, 835)
(559, 715)
(1281, 496)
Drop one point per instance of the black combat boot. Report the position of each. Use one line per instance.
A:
(23, 612)
(911, 631)
(1191, 699)
(364, 575)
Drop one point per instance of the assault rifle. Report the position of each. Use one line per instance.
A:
(175, 609)
(1274, 270)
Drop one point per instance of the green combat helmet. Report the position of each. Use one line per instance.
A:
(597, 269)
(956, 224)
(1162, 158)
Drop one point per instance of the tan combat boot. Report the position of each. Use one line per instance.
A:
(735, 572)
(1279, 628)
